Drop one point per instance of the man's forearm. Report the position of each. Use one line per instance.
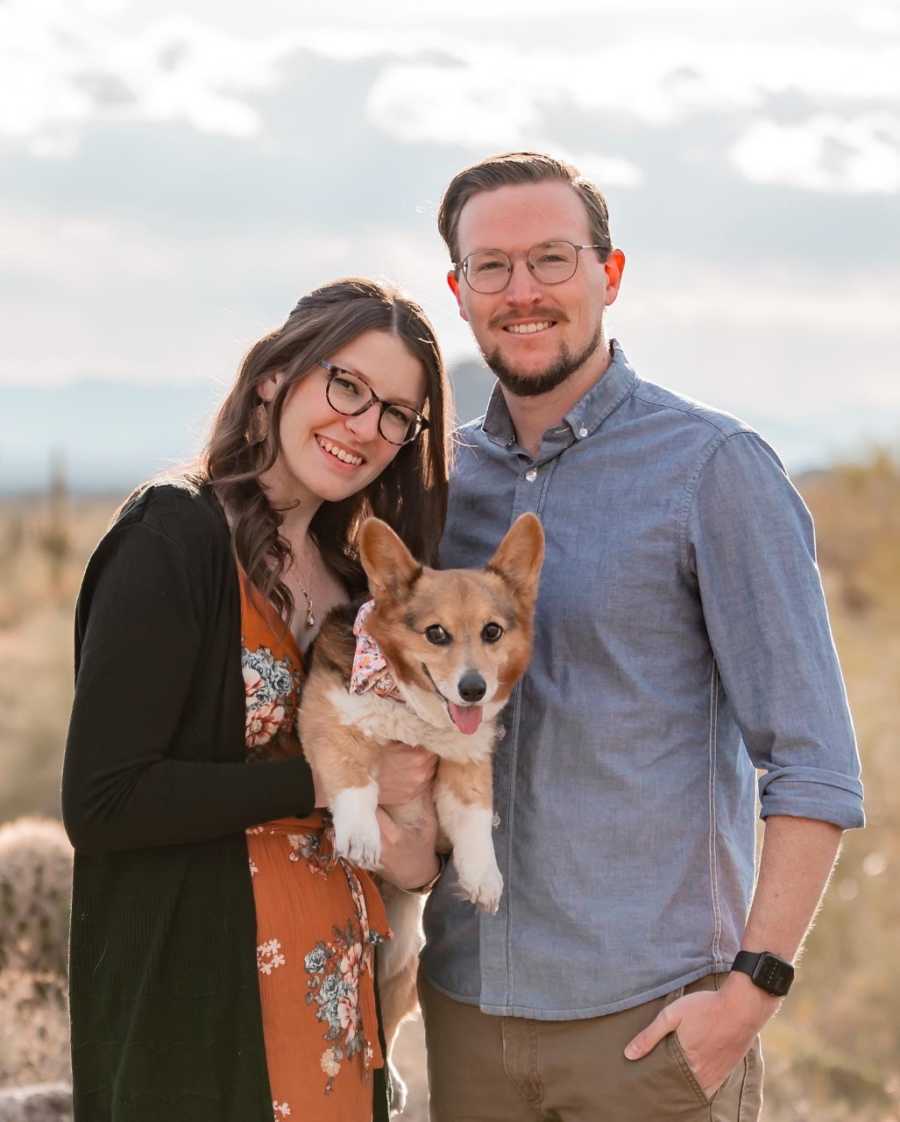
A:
(798, 855)
(797, 858)
(716, 1029)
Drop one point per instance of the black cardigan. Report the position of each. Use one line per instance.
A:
(165, 1010)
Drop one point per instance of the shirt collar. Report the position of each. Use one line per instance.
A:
(585, 416)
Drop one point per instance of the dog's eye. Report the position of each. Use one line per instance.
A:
(437, 635)
(491, 632)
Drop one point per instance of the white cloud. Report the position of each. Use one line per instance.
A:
(417, 103)
(63, 67)
(488, 97)
(610, 171)
(67, 63)
(881, 19)
(656, 82)
(770, 298)
(480, 106)
(824, 153)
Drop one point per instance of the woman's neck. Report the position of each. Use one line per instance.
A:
(296, 505)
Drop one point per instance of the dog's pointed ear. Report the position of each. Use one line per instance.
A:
(389, 565)
(520, 555)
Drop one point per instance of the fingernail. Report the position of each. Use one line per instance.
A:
(632, 1052)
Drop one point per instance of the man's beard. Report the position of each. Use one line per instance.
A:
(532, 385)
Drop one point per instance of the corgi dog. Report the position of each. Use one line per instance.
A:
(430, 660)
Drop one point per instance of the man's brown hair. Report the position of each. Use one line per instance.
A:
(513, 169)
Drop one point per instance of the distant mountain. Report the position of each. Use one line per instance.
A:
(472, 383)
(111, 435)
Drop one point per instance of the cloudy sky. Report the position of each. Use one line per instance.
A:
(173, 176)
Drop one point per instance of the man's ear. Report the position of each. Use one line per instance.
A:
(520, 555)
(388, 564)
(613, 266)
(453, 283)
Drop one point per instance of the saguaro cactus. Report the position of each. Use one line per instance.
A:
(54, 537)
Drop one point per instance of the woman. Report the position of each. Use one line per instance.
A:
(221, 958)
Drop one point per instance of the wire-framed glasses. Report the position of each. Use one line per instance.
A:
(349, 395)
(489, 270)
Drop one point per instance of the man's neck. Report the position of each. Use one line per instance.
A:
(532, 416)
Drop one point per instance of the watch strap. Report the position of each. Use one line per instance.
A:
(766, 970)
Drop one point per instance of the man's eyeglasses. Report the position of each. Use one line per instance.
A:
(489, 270)
(349, 395)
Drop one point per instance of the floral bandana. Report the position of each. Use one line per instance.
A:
(370, 669)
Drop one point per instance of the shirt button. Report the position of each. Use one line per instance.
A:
(582, 432)
(495, 821)
(531, 476)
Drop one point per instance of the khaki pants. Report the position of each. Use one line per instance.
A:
(483, 1068)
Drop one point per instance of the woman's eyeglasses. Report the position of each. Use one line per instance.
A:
(349, 395)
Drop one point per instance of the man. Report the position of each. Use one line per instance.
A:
(681, 642)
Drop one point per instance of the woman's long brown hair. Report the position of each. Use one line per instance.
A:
(410, 494)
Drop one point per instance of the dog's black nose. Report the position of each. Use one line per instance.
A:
(471, 686)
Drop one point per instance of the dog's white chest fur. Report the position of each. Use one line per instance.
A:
(384, 719)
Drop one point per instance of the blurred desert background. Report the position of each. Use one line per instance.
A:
(832, 1053)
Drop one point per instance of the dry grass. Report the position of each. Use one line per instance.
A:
(832, 1054)
(38, 587)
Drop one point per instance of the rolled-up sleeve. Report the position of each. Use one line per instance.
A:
(751, 547)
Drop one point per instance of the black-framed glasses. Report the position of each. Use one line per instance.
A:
(488, 271)
(349, 395)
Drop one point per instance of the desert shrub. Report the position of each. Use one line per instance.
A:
(34, 1028)
(35, 895)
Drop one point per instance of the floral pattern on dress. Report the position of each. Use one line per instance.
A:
(269, 956)
(319, 1009)
(334, 969)
(271, 686)
(309, 848)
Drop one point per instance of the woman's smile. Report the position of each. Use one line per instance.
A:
(339, 455)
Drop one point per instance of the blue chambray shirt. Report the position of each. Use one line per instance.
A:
(682, 641)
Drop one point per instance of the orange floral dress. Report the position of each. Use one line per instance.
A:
(318, 918)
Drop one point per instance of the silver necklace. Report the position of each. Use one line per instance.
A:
(310, 615)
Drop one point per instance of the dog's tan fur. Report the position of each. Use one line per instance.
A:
(343, 733)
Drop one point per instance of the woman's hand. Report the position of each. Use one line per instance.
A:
(408, 859)
(404, 774)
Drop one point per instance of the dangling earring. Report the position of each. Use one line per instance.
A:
(258, 425)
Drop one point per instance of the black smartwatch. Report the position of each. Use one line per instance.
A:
(767, 971)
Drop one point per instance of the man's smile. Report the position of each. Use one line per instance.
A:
(529, 328)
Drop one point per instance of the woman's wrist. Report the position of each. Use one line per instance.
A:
(440, 863)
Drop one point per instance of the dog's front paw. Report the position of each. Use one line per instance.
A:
(483, 889)
(356, 833)
(360, 844)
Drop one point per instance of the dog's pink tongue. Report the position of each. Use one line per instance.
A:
(467, 718)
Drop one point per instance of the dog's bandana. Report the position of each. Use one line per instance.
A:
(370, 668)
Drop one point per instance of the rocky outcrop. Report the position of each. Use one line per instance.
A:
(41, 1102)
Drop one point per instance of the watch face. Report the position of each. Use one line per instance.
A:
(773, 975)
